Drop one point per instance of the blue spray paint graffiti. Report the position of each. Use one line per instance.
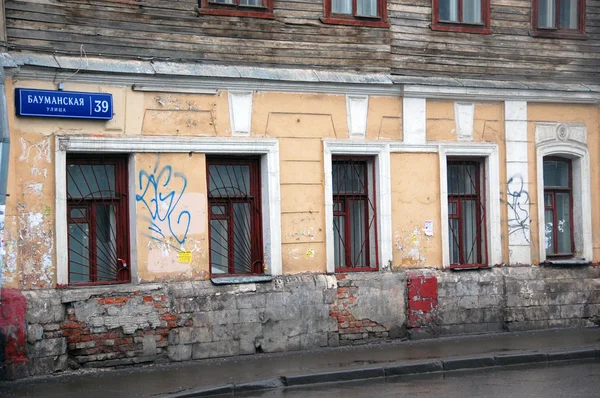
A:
(518, 204)
(161, 192)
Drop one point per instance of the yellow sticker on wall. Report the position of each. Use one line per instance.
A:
(184, 256)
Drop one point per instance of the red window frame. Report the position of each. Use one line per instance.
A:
(456, 200)
(558, 32)
(450, 26)
(369, 243)
(552, 191)
(255, 246)
(209, 7)
(90, 205)
(379, 21)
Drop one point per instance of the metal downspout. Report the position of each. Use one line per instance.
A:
(4, 151)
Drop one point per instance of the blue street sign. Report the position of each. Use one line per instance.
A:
(64, 104)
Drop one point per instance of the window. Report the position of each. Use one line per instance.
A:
(466, 213)
(356, 12)
(558, 207)
(558, 18)
(235, 216)
(354, 214)
(470, 16)
(97, 218)
(238, 8)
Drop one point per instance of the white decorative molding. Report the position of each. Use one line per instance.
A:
(271, 200)
(414, 120)
(492, 195)
(240, 112)
(383, 189)
(464, 113)
(517, 184)
(357, 107)
(568, 140)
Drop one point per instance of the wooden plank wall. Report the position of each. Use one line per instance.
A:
(173, 29)
(507, 54)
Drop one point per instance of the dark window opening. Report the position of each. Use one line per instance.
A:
(469, 16)
(354, 214)
(558, 18)
(238, 8)
(467, 213)
(235, 216)
(356, 12)
(558, 207)
(97, 217)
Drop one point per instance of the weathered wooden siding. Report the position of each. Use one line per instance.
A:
(173, 29)
(507, 54)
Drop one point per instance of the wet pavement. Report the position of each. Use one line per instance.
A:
(191, 377)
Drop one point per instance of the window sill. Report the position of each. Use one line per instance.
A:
(568, 262)
(461, 28)
(237, 13)
(355, 22)
(465, 267)
(554, 34)
(237, 280)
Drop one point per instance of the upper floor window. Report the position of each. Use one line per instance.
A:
(356, 12)
(558, 18)
(238, 8)
(471, 16)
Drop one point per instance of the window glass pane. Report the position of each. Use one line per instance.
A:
(454, 251)
(547, 200)
(471, 11)
(229, 180)
(367, 8)
(451, 208)
(222, 1)
(348, 178)
(549, 231)
(546, 13)
(79, 263)
(218, 247)
(462, 178)
(218, 210)
(358, 233)
(568, 14)
(242, 253)
(339, 247)
(90, 181)
(563, 221)
(78, 213)
(341, 7)
(470, 238)
(449, 10)
(106, 245)
(254, 3)
(556, 173)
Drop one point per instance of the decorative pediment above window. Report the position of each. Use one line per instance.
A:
(573, 133)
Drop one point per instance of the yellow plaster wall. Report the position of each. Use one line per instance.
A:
(412, 207)
(562, 113)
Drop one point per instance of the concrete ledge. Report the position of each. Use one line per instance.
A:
(346, 375)
(259, 385)
(563, 356)
(468, 363)
(416, 368)
(518, 359)
(204, 392)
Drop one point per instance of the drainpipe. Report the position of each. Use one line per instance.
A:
(4, 149)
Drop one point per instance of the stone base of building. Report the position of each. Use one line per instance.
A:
(125, 325)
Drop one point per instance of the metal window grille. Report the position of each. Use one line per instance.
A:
(558, 207)
(354, 214)
(467, 213)
(235, 216)
(97, 218)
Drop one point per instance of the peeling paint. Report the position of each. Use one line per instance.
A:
(294, 253)
(34, 188)
(412, 245)
(40, 149)
(310, 253)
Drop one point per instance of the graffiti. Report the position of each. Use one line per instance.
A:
(42, 150)
(161, 192)
(518, 205)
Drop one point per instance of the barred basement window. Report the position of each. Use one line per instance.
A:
(467, 213)
(235, 216)
(354, 214)
(558, 207)
(97, 219)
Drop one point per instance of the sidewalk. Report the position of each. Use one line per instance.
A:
(198, 378)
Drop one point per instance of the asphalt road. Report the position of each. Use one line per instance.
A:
(569, 380)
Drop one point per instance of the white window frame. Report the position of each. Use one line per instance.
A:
(271, 202)
(581, 193)
(492, 194)
(381, 154)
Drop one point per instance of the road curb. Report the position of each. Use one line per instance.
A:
(395, 370)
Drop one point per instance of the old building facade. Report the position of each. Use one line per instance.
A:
(280, 175)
